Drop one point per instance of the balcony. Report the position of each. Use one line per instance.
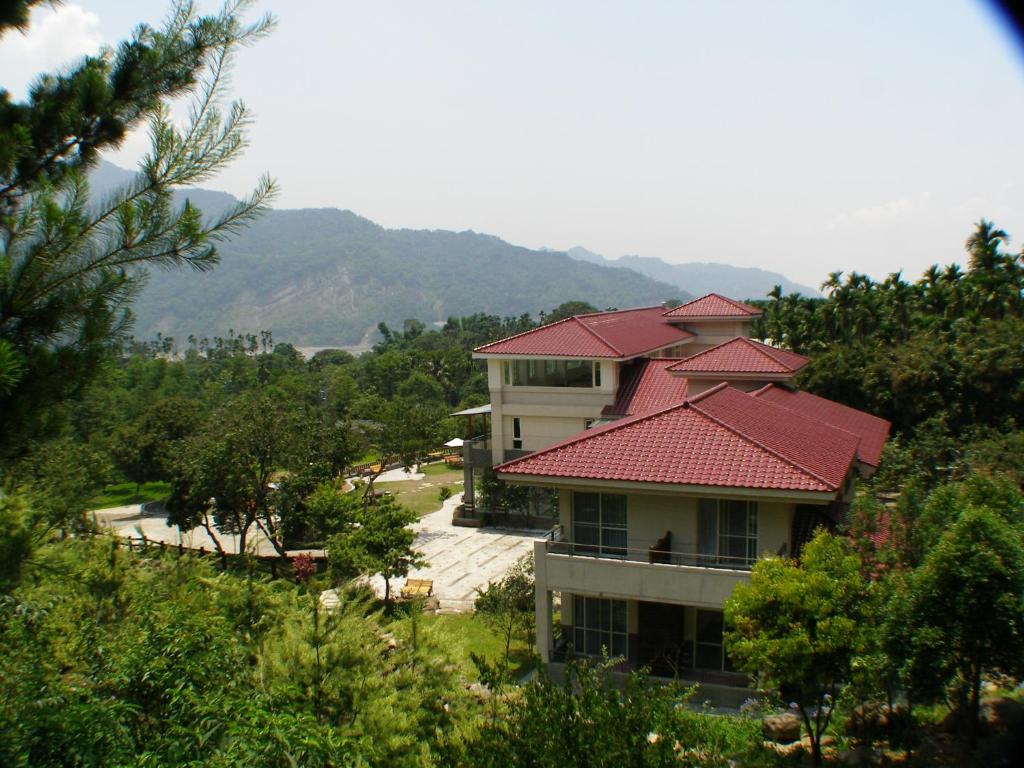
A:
(477, 452)
(673, 576)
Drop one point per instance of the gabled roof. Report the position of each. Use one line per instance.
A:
(871, 430)
(721, 438)
(618, 334)
(714, 306)
(646, 385)
(741, 355)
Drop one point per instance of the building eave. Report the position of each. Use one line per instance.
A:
(672, 489)
(732, 375)
(528, 356)
(712, 318)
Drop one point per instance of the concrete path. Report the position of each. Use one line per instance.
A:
(397, 475)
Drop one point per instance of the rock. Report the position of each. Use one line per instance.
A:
(480, 693)
(787, 751)
(783, 728)
(826, 741)
(1001, 713)
(854, 758)
(873, 720)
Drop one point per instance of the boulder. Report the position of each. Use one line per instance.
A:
(1001, 713)
(873, 720)
(783, 728)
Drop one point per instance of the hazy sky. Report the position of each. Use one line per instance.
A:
(802, 137)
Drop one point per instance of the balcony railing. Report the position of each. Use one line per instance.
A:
(555, 545)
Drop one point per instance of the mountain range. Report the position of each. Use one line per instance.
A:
(701, 277)
(327, 277)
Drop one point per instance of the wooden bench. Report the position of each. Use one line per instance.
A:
(417, 588)
(455, 460)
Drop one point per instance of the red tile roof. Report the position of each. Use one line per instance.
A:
(871, 430)
(741, 355)
(645, 385)
(713, 306)
(617, 334)
(722, 438)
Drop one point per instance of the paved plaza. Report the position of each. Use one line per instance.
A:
(460, 560)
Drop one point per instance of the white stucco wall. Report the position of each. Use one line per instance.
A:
(547, 414)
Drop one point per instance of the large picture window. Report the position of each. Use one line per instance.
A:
(599, 524)
(727, 532)
(552, 373)
(597, 624)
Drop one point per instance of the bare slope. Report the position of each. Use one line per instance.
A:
(327, 277)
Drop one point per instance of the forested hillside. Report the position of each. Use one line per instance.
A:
(326, 277)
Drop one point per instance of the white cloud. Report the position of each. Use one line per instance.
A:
(876, 214)
(56, 38)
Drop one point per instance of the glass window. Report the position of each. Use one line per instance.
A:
(517, 434)
(597, 374)
(709, 651)
(578, 373)
(599, 624)
(587, 507)
(599, 524)
(727, 532)
(552, 373)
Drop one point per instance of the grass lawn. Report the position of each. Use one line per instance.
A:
(122, 494)
(442, 470)
(463, 633)
(421, 495)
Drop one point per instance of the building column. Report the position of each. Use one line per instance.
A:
(542, 603)
(468, 499)
(497, 429)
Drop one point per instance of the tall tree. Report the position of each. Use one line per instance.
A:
(222, 481)
(967, 599)
(507, 605)
(70, 264)
(799, 626)
(379, 540)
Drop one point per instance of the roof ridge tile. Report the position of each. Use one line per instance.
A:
(524, 333)
(764, 350)
(746, 309)
(751, 439)
(599, 337)
(595, 431)
(618, 311)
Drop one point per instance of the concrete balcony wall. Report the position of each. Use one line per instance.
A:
(632, 580)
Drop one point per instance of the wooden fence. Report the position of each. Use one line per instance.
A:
(274, 564)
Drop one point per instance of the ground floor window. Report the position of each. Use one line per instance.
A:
(709, 648)
(599, 624)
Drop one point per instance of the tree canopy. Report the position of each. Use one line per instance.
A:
(69, 263)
